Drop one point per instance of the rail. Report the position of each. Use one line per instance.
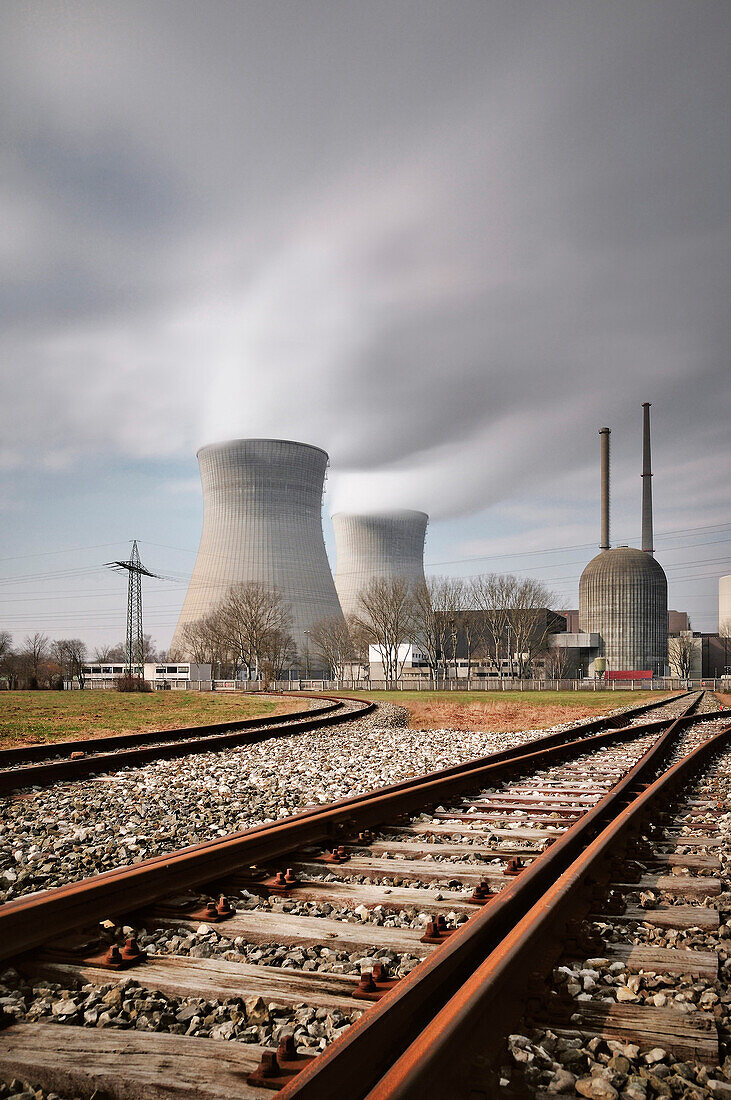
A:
(24, 923)
(458, 1045)
(358, 1063)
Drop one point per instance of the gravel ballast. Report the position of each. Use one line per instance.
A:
(606, 1069)
(68, 832)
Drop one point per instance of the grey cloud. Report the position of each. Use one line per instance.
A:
(444, 244)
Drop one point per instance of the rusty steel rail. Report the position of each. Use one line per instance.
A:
(459, 1042)
(25, 922)
(357, 1064)
(192, 739)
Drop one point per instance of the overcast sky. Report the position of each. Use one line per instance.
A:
(444, 241)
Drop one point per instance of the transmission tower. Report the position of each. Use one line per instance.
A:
(135, 650)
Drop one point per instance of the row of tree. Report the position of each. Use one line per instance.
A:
(250, 629)
(497, 619)
(494, 617)
(39, 662)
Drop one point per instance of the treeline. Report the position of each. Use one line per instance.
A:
(495, 618)
(500, 620)
(39, 663)
(251, 629)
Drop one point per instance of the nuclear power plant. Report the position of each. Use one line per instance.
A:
(623, 592)
(262, 521)
(383, 544)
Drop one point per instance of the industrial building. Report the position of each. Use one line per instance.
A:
(161, 674)
(623, 593)
(383, 544)
(262, 521)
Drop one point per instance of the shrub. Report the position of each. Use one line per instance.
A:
(127, 682)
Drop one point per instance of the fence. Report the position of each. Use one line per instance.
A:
(506, 684)
(461, 685)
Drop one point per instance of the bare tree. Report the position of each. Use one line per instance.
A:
(681, 651)
(387, 617)
(724, 633)
(514, 618)
(110, 654)
(149, 653)
(360, 638)
(35, 651)
(530, 622)
(252, 615)
(471, 625)
(493, 595)
(8, 660)
(437, 613)
(71, 656)
(331, 642)
(278, 651)
(427, 627)
(558, 663)
(204, 642)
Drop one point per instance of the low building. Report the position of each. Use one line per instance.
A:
(159, 673)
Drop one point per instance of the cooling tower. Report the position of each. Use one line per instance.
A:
(724, 604)
(383, 544)
(262, 521)
(623, 593)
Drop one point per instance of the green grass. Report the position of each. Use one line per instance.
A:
(27, 717)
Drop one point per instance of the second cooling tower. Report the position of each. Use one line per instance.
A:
(262, 521)
(383, 544)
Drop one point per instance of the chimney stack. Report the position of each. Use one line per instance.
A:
(605, 433)
(646, 483)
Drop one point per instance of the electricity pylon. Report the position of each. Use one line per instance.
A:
(135, 572)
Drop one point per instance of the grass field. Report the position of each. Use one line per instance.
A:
(505, 711)
(27, 717)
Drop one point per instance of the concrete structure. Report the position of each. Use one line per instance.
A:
(384, 544)
(623, 598)
(623, 595)
(677, 621)
(262, 521)
(724, 605)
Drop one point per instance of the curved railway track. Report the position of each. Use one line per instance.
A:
(421, 886)
(43, 765)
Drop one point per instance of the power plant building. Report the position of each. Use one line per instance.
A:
(623, 591)
(262, 521)
(383, 544)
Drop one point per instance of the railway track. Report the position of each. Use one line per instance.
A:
(325, 944)
(43, 765)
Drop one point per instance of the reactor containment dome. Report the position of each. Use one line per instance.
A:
(379, 545)
(262, 521)
(623, 592)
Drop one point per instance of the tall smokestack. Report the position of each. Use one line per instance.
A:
(605, 433)
(646, 483)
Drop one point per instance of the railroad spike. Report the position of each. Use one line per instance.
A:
(287, 1050)
(515, 866)
(114, 955)
(224, 907)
